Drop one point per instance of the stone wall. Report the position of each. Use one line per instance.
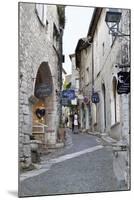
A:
(107, 53)
(35, 47)
(75, 73)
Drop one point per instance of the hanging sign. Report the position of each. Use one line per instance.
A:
(86, 99)
(123, 85)
(40, 112)
(43, 90)
(95, 97)
(69, 94)
(74, 101)
(80, 96)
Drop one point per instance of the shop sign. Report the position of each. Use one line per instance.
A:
(80, 96)
(74, 101)
(40, 112)
(95, 97)
(43, 90)
(69, 94)
(123, 85)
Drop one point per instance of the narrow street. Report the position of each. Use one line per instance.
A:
(74, 75)
(83, 165)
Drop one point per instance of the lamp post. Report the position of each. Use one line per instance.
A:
(92, 68)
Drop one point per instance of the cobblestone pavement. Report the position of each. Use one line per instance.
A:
(74, 143)
(84, 165)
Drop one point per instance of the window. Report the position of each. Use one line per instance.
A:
(56, 37)
(103, 48)
(41, 11)
(87, 76)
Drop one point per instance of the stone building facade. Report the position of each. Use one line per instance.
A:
(40, 64)
(74, 81)
(84, 65)
(98, 57)
(75, 74)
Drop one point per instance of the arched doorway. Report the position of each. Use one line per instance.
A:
(115, 103)
(114, 99)
(44, 83)
(88, 116)
(43, 91)
(94, 117)
(104, 107)
(83, 116)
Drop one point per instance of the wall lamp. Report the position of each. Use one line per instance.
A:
(112, 20)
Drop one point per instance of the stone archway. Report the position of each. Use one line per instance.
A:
(83, 119)
(115, 103)
(43, 115)
(44, 83)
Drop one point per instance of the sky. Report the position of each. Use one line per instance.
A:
(76, 27)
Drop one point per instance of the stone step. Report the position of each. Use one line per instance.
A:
(98, 134)
(107, 140)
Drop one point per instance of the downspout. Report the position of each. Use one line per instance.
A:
(92, 80)
(60, 75)
(92, 68)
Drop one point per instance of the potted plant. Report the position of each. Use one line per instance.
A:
(61, 133)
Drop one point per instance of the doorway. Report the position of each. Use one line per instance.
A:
(104, 106)
(43, 91)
